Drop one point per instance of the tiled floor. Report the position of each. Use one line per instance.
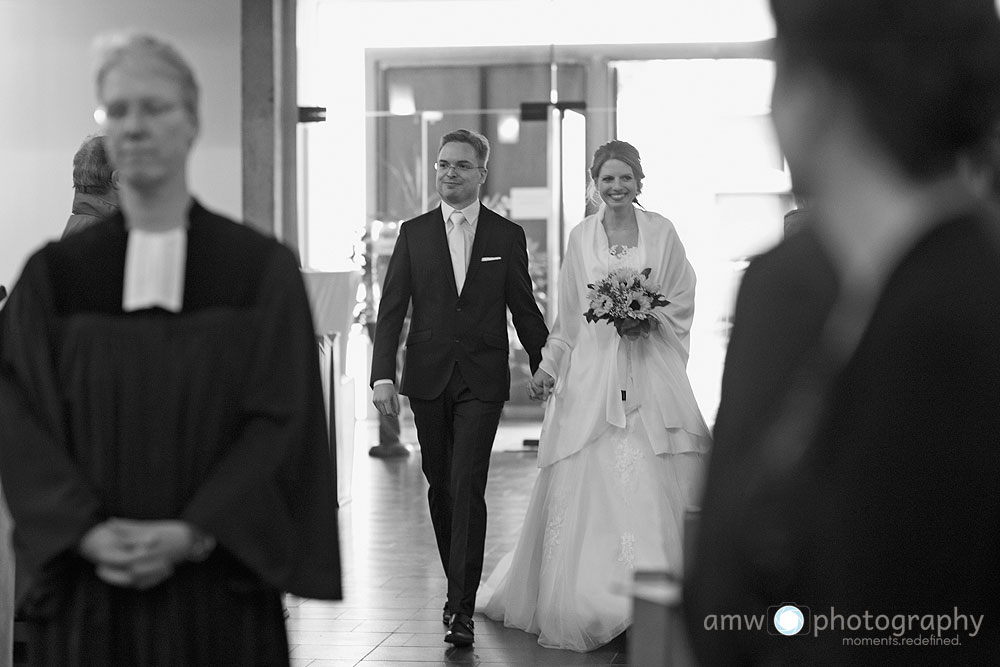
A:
(393, 583)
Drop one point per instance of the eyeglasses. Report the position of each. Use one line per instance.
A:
(462, 167)
(149, 108)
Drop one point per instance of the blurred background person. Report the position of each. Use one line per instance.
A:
(867, 489)
(95, 185)
(163, 439)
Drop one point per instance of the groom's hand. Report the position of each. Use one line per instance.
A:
(386, 399)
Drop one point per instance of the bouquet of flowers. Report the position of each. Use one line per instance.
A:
(625, 298)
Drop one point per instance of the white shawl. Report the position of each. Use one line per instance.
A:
(584, 357)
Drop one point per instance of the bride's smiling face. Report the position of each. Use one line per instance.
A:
(617, 184)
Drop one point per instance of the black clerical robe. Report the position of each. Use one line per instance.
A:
(213, 415)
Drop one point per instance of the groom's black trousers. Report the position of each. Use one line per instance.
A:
(456, 432)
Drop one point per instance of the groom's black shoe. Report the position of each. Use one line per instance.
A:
(446, 616)
(461, 632)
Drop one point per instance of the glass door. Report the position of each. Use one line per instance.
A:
(420, 104)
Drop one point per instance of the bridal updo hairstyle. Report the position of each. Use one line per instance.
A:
(618, 150)
(922, 98)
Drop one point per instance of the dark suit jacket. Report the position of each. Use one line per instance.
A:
(784, 299)
(87, 210)
(447, 328)
(783, 302)
(894, 507)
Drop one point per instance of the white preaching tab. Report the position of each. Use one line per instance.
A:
(154, 269)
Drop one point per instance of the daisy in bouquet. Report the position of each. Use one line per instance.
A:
(625, 298)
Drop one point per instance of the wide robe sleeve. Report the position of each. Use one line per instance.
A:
(52, 503)
(271, 500)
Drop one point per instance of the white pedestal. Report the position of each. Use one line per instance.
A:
(657, 637)
(332, 296)
(345, 424)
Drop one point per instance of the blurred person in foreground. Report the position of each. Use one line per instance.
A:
(95, 197)
(95, 185)
(6, 577)
(783, 301)
(859, 506)
(163, 439)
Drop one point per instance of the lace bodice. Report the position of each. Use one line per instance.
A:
(622, 256)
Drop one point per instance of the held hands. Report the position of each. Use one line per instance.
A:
(138, 554)
(540, 386)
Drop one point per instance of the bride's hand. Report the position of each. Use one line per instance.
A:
(633, 330)
(540, 386)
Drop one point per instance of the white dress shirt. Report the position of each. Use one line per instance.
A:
(471, 213)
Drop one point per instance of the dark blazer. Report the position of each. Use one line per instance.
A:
(783, 302)
(447, 328)
(894, 507)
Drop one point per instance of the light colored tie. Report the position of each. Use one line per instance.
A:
(457, 243)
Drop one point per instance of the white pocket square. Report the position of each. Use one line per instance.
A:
(491, 259)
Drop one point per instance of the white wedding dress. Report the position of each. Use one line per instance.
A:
(609, 499)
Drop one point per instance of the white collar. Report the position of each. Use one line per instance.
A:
(471, 212)
(155, 263)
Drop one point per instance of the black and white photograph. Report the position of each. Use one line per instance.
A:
(499, 333)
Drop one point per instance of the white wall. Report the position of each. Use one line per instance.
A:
(47, 104)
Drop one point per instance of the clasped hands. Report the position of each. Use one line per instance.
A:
(137, 554)
(540, 386)
(633, 330)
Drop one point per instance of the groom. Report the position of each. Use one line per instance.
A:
(461, 266)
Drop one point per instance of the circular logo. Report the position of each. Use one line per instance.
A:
(788, 620)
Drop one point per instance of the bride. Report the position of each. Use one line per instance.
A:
(623, 440)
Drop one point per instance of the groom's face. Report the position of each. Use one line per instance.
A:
(459, 174)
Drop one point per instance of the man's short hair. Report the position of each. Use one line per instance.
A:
(114, 49)
(926, 74)
(479, 143)
(92, 172)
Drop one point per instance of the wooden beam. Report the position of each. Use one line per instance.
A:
(269, 117)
